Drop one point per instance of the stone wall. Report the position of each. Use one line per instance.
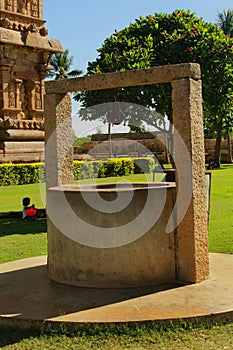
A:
(122, 146)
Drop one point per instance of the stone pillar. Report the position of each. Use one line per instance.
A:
(192, 258)
(58, 140)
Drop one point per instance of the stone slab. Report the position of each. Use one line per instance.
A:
(27, 293)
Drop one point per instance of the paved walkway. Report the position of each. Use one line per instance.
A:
(26, 292)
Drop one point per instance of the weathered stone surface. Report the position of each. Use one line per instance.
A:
(34, 40)
(17, 151)
(153, 75)
(192, 232)
(148, 260)
(21, 135)
(58, 140)
(17, 147)
(25, 53)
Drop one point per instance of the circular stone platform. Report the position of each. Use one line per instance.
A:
(27, 293)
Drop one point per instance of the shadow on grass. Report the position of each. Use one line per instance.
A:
(14, 335)
(12, 226)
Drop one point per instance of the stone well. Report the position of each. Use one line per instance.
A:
(122, 245)
(154, 256)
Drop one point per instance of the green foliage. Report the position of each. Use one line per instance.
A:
(83, 170)
(79, 141)
(62, 63)
(164, 39)
(225, 21)
(19, 174)
(112, 167)
(127, 167)
(103, 168)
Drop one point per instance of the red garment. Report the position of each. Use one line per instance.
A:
(30, 211)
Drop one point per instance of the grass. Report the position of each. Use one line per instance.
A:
(11, 196)
(19, 240)
(221, 211)
(136, 336)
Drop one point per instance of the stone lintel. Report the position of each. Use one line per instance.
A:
(155, 75)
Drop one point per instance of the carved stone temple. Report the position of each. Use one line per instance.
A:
(25, 53)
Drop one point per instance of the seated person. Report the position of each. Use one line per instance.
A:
(29, 211)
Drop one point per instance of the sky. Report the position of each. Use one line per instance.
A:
(83, 25)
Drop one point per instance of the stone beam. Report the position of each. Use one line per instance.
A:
(155, 75)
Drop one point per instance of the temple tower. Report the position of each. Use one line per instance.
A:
(25, 53)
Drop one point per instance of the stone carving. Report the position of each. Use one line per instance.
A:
(23, 6)
(24, 63)
(25, 99)
(34, 8)
(5, 23)
(17, 15)
(43, 31)
(38, 99)
(10, 5)
(21, 124)
(12, 95)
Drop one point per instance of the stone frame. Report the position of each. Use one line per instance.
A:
(191, 235)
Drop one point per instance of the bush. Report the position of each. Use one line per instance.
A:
(20, 174)
(127, 167)
(113, 167)
(83, 170)
(103, 168)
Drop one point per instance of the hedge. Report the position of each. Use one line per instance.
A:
(19, 174)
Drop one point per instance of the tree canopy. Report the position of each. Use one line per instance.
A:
(162, 39)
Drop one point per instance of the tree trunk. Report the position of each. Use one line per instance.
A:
(229, 147)
(217, 151)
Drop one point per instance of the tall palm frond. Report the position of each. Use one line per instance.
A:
(62, 63)
(225, 21)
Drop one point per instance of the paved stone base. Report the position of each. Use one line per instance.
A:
(27, 293)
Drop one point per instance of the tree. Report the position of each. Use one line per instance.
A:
(165, 39)
(62, 63)
(225, 22)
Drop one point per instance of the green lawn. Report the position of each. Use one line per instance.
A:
(25, 239)
(135, 337)
(221, 211)
(20, 239)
